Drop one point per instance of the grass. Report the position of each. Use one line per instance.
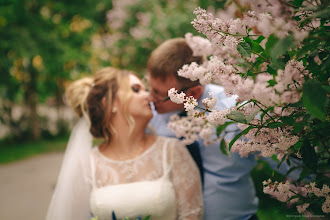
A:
(269, 208)
(10, 151)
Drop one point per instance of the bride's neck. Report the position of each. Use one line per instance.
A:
(128, 141)
(127, 146)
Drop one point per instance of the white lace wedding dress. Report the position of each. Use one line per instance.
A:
(162, 182)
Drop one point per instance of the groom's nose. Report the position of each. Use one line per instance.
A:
(152, 98)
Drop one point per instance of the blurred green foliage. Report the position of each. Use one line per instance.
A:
(44, 44)
(44, 41)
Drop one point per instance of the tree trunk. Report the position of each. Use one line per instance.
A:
(32, 103)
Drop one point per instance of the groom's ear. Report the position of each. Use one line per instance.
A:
(196, 91)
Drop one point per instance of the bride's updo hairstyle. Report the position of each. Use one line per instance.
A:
(85, 97)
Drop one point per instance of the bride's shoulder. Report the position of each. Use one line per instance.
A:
(94, 151)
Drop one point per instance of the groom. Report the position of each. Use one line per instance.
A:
(228, 188)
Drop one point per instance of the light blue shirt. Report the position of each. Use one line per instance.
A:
(229, 191)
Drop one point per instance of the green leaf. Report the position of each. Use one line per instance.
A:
(237, 116)
(325, 65)
(309, 156)
(271, 70)
(281, 162)
(323, 55)
(147, 217)
(272, 40)
(272, 82)
(291, 169)
(257, 63)
(277, 64)
(255, 47)
(223, 147)
(314, 98)
(259, 39)
(305, 172)
(326, 88)
(322, 14)
(245, 131)
(250, 73)
(287, 120)
(274, 157)
(252, 116)
(221, 128)
(247, 39)
(297, 127)
(297, 3)
(281, 47)
(244, 49)
(275, 124)
(293, 197)
(296, 105)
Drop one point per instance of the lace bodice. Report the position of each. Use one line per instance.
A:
(163, 182)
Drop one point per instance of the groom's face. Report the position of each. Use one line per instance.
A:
(159, 93)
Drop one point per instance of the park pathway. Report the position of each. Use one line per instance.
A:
(26, 187)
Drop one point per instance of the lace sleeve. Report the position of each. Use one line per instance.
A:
(187, 183)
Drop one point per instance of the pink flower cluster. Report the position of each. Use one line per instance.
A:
(215, 117)
(209, 103)
(218, 117)
(117, 15)
(200, 45)
(281, 191)
(285, 191)
(290, 81)
(176, 97)
(287, 89)
(264, 19)
(219, 32)
(197, 123)
(215, 71)
(267, 141)
(189, 102)
(270, 93)
(190, 128)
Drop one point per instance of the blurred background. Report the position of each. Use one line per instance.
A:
(44, 45)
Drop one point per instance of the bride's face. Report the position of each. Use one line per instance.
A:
(139, 104)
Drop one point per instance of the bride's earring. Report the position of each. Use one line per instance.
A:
(114, 110)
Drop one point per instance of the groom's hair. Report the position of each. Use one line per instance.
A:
(169, 57)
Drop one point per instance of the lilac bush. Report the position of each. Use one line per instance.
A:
(273, 56)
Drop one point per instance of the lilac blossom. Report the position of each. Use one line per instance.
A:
(209, 103)
(192, 71)
(190, 128)
(199, 45)
(284, 192)
(175, 97)
(190, 103)
(246, 74)
(303, 207)
(218, 117)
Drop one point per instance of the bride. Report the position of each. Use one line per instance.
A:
(131, 174)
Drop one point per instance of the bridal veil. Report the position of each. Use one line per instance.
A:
(71, 196)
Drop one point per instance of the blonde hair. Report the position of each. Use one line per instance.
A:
(76, 95)
(85, 98)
